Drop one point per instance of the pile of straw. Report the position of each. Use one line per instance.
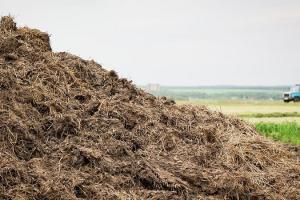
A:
(70, 129)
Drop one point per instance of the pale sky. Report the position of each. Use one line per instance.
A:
(175, 42)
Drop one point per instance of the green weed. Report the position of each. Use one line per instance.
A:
(288, 132)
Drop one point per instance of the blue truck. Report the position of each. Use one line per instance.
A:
(293, 94)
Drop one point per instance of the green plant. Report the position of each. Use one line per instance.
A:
(288, 132)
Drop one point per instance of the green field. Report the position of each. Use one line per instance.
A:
(254, 111)
(275, 119)
(261, 106)
(288, 132)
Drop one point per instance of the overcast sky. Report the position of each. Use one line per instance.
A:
(175, 42)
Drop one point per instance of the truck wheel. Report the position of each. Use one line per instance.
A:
(286, 101)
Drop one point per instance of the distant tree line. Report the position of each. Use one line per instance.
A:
(221, 93)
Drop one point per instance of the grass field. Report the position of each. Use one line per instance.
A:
(260, 106)
(288, 132)
(275, 119)
(254, 111)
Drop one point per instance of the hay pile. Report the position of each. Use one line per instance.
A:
(70, 129)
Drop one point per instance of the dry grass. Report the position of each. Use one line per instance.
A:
(71, 129)
(246, 107)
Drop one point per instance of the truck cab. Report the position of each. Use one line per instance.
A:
(293, 94)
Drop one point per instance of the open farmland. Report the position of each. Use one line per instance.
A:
(259, 106)
(275, 119)
(254, 111)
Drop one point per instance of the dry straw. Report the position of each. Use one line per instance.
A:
(70, 129)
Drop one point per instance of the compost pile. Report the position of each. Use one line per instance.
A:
(70, 129)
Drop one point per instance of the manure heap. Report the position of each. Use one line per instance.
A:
(70, 129)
